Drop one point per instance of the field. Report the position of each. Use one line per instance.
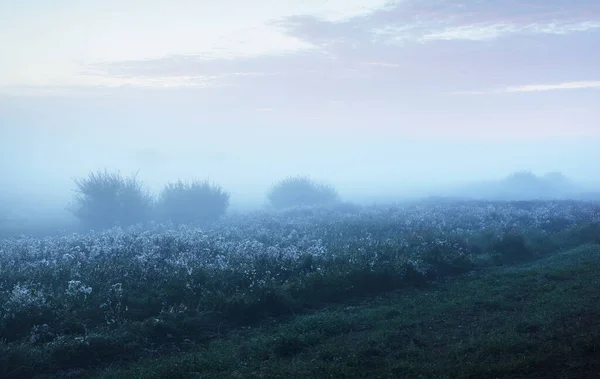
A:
(427, 289)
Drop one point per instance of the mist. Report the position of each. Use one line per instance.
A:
(299, 188)
(335, 92)
(45, 146)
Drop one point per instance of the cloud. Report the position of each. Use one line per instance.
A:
(94, 84)
(589, 84)
(416, 45)
(485, 32)
(49, 47)
(383, 64)
(552, 87)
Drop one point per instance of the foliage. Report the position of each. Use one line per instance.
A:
(301, 191)
(189, 203)
(105, 199)
(531, 321)
(163, 285)
(512, 247)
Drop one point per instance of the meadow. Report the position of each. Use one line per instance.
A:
(423, 289)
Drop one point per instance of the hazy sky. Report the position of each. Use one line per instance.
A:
(368, 95)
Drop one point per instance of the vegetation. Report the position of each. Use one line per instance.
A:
(418, 290)
(534, 321)
(301, 191)
(524, 185)
(191, 203)
(105, 199)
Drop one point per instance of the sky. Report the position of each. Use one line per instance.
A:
(371, 96)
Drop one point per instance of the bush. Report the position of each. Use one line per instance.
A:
(301, 191)
(187, 203)
(106, 199)
(512, 248)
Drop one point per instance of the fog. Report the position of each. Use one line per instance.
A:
(361, 95)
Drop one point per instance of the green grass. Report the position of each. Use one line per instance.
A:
(537, 320)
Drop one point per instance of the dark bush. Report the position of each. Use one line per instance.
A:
(105, 199)
(447, 263)
(301, 191)
(188, 203)
(93, 351)
(588, 233)
(512, 248)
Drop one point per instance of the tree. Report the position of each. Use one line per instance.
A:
(188, 203)
(105, 199)
(301, 191)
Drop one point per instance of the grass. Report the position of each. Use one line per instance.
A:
(536, 320)
(452, 290)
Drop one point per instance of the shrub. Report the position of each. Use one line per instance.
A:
(187, 203)
(512, 248)
(105, 199)
(301, 191)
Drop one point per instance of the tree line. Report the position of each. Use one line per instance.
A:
(105, 199)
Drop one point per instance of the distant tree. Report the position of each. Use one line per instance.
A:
(556, 177)
(301, 191)
(105, 199)
(189, 203)
(526, 185)
(522, 178)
